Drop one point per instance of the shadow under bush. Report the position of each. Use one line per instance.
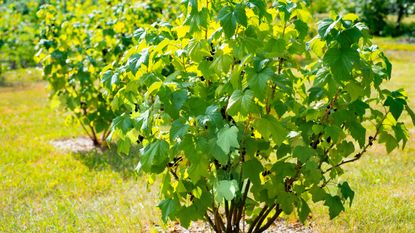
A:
(110, 159)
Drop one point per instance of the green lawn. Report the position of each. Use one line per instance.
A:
(42, 189)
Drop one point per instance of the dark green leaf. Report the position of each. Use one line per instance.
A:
(167, 208)
(303, 210)
(346, 191)
(411, 114)
(341, 61)
(358, 132)
(396, 107)
(303, 153)
(241, 15)
(155, 157)
(227, 20)
(335, 205)
(389, 140)
(325, 26)
(178, 129)
(257, 81)
(318, 194)
(251, 169)
(122, 122)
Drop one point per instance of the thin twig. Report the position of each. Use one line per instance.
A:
(369, 144)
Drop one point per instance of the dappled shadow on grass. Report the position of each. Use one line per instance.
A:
(406, 29)
(20, 77)
(3, 82)
(109, 159)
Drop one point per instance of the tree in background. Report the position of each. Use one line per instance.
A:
(18, 28)
(374, 13)
(77, 40)
(402, 8)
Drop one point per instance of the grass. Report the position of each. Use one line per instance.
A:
(392, 45)
(42, 189)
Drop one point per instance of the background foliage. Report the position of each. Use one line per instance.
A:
(77, 42)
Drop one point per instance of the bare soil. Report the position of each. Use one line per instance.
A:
(280, 226)
(75, 145)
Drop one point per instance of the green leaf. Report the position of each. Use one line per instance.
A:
(197, 20)
(358, 132)
(257, 81)
(226, 189)
(136, 60)
(178, 129)
(179, 97)
(344, 149)
(301, 27)
(221, 64)
(122, 122)
(325, 26)
(199, 168)
(390, 142)
(355, 90)
(318, 194)
(401, 133)
(275, 47)
(346, 191)
(303, 153)
(411, 114)
(188, 146)
(155, 157)
(359, 107)
(268, 127)
(227, 20)
(106, 79)
(251, 170)
(283, 169)
(388, 65)
(341, 61)
(316, 93)
(286, 201)
(167, 207)
(335, 132)
(198, 50)
(260, 9)
(240, 15)
(109, 79)
(229, 17)
(349, 37)
(303, 210)
(142, 122)
(396, 107)
(217, 152)
(335, 205)
(123, 146)
(228, 138)
(242, 102)
(312, 173)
